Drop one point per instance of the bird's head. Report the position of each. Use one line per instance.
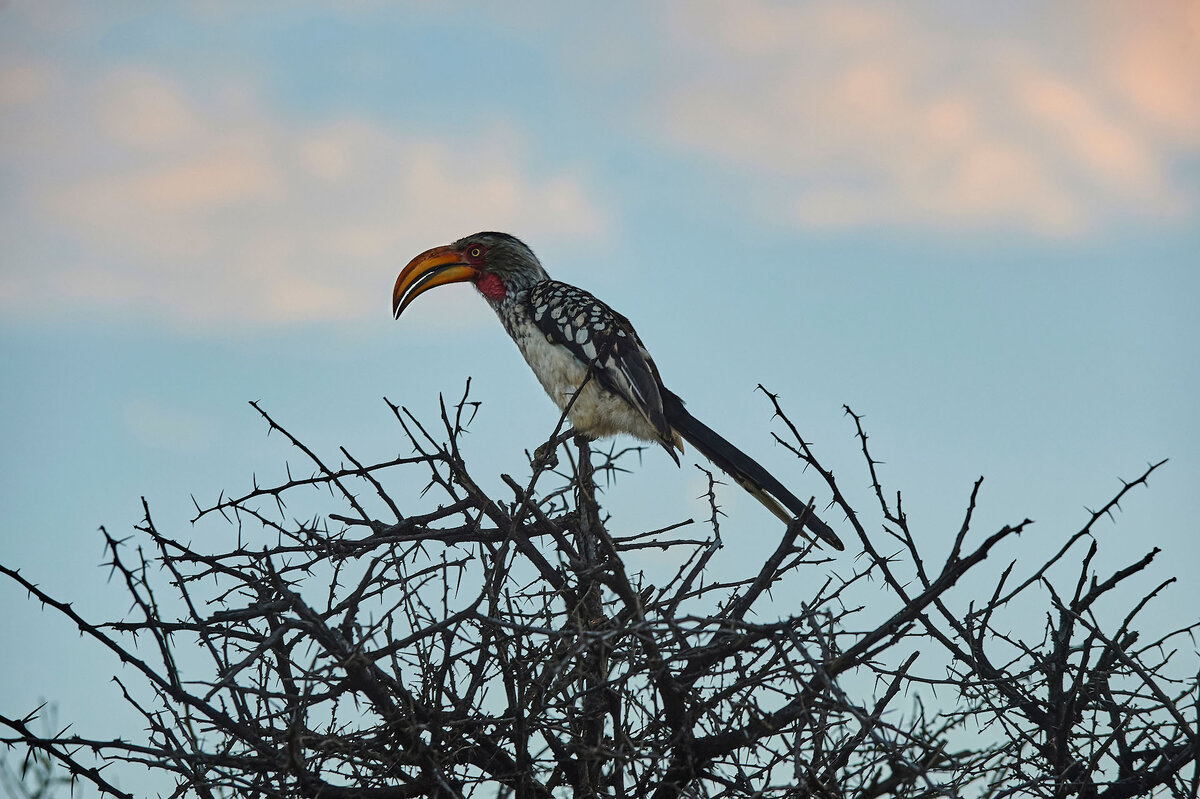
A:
(496, 263)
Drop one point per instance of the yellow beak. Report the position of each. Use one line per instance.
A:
(431, 268)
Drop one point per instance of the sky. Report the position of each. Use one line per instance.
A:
(977, 224)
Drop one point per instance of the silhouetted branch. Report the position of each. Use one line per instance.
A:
(455, 643)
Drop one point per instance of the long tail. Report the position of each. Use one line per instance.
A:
(743, 469)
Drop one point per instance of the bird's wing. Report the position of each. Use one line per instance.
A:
(573, 318)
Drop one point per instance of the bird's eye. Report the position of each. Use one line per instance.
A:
(475, 252)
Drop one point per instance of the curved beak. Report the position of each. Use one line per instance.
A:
(431, 268)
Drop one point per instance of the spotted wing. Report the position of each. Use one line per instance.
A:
(573, 318)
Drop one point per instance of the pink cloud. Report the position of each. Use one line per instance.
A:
(871, 114)
(207, 210)
(1154, 64)
(139, 109)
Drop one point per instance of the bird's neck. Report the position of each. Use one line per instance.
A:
(509, 298)
(501, 289)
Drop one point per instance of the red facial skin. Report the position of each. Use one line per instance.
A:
(490, 286)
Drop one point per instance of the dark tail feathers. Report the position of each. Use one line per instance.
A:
(743, 469)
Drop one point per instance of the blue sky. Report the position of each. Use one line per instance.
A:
(977, 224)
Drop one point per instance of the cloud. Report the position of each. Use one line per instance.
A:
(1154, 65)
(205, 209)
(855, 114)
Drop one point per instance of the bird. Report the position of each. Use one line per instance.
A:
(571, 339)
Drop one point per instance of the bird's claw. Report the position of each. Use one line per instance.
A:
(546, 455)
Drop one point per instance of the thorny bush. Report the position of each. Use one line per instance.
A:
(510, 646)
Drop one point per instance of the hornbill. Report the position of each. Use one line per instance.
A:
(564, 332)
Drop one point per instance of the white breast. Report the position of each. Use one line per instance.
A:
(598, 412)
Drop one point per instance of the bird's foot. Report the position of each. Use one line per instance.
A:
(546, 455)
